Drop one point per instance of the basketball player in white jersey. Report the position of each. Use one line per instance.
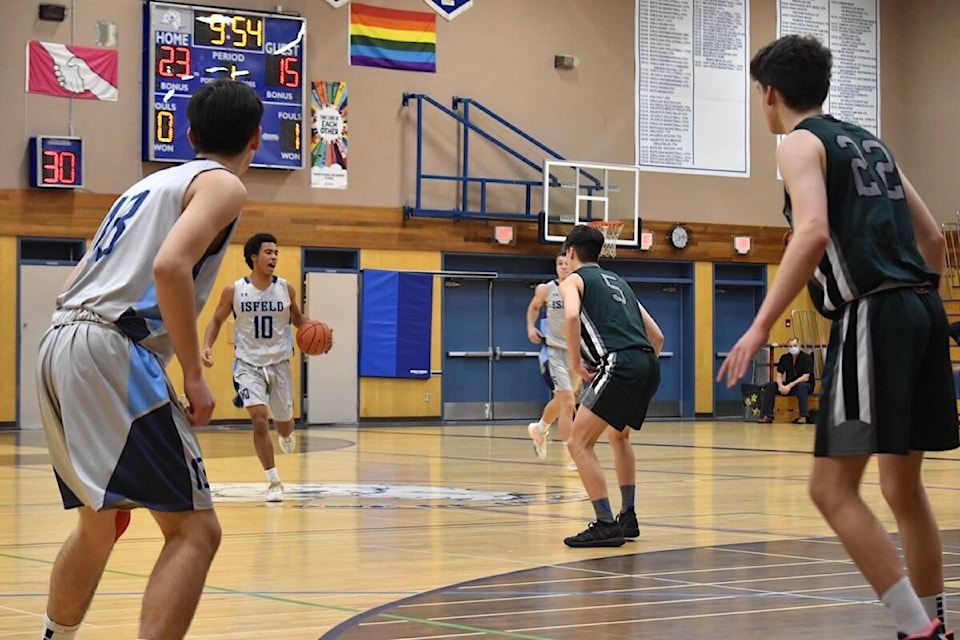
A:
(554, 366)
(117, 434)
(264, 306)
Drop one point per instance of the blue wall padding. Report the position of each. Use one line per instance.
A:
(397, 313)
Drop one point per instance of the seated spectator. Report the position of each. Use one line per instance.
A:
(794, 378)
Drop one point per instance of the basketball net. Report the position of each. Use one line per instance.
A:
(611, 232)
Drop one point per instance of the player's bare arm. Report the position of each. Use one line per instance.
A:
(213, 202)
(930, 240)
(801, 158)
(571, 290)
(654, 332)
(533, 313)
(297, 318)
(220, 315)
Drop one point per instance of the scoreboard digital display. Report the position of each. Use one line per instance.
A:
(56, 161)
(187, 46)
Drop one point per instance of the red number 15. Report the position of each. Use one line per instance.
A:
(289, 76)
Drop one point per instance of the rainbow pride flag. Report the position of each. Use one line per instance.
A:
(392, 38)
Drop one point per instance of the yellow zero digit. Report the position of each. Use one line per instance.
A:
(164, 126)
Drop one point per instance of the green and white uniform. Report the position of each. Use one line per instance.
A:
(887, 382)
(613, 339)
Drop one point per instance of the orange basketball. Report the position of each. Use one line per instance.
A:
(314, 337)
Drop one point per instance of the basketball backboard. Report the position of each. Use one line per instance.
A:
(580, 192)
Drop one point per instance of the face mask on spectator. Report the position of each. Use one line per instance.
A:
(794, 351)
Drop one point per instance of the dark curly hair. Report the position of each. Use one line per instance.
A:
(252, 246)
(796, 66)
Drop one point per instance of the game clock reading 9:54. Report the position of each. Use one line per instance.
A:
(193, 45)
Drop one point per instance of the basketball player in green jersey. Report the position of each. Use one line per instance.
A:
(872, 254)
(621, 343)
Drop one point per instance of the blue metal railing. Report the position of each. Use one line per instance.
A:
(465, 179)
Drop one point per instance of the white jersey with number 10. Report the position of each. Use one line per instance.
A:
(261, 335)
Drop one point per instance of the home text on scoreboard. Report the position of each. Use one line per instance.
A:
(187, 46)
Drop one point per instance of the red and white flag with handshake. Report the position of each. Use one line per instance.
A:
(67, 71)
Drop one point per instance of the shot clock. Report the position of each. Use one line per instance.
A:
(56, 161)
(187, 46)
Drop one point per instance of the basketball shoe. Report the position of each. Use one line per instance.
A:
(628, 523)
(598, 534)
(932, 633)
(540, 437)
(275, 492)
(288, 444)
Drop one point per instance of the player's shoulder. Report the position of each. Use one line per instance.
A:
(236, 287)
(223, 185)
(572, 281)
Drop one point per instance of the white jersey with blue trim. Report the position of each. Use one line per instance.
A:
(116, 279)
(261, 333)
(554, 335)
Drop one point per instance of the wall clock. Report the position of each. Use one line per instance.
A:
(679, 236)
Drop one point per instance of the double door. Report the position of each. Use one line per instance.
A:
(490, 368)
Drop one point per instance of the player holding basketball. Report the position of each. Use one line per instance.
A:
(555, 369)
(264, 306)
(622, 343)
(872, 255)
(117, 435)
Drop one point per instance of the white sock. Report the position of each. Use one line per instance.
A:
(934, 606)
(905, 606)
(272, 475)
(54, 631)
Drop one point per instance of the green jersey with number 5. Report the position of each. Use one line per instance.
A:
(872, 246)
(610, 318)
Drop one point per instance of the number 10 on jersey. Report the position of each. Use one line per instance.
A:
(263, 327)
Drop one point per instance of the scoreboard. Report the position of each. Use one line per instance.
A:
(187, 46)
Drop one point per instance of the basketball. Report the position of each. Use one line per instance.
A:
(314, 337)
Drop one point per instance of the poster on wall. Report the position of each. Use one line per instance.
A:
(68, 71)
(328, 135)
(851, 29)
(692, 87)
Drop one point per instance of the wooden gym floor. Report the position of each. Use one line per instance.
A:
(448, 532)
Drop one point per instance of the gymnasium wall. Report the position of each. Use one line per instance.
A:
(586, 113)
